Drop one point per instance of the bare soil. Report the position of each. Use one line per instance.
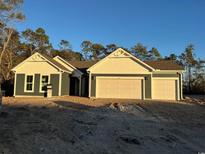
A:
(103, 126)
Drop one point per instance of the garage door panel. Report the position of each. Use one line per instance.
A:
(165, 89)
(119, 88)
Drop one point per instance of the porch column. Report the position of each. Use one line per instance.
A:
(60, 84)
(181, 86)
(15, 84)
(143, 89)
(151, 86)
(80, 85)
(89, 91)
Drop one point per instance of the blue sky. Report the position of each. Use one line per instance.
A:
(169, 25)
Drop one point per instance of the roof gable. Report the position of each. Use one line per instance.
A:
(122, 61)
(67, 64)
(37, 57)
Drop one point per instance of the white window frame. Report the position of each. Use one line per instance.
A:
(40, 89)
(25, 83)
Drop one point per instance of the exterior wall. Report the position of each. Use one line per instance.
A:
(20, 83)
(117, 65)
(148, 87)
(54, 80)
(93, 86)
(65, 85)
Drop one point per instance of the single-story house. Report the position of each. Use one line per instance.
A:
(119, 75)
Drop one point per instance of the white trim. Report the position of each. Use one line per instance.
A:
(40, 84)
(25, 83)
(75, 70)
(15, 75)
(17, 66)
(89, 91)
(120, 49)
(151, 78)
(178, 90)
(181, 87)
(143, 89)
(60, 84)
(58, 57)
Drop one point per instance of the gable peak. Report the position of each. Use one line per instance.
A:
(119, 53)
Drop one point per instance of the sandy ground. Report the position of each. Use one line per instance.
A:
(80, 125)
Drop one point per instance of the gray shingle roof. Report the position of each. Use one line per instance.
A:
(158, 64)
(164, 65)
(82, 64)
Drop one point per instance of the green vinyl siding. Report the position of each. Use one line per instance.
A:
(20, 84)
(20, 81)
(93, 86)
(55, 84)
(148, 86)
(65, 86)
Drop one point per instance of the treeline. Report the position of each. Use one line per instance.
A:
(24, 44)
(16, 46)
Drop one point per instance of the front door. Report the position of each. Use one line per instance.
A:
(74, 86)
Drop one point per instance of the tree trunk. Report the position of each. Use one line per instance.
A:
(5, 44)
(10, 32)
(0, 97)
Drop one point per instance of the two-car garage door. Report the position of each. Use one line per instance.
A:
(119, 87)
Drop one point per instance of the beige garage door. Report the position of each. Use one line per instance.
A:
(119, 88)
(164, 89)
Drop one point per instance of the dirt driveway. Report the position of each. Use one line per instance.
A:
(80, 125)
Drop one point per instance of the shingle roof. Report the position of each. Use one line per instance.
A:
(158, 64)
(55, 62)
(164, 65)
(82, 64)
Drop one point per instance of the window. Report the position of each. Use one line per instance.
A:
(29, 83)
(44, 82)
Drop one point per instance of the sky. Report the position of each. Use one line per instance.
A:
(168, 25)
